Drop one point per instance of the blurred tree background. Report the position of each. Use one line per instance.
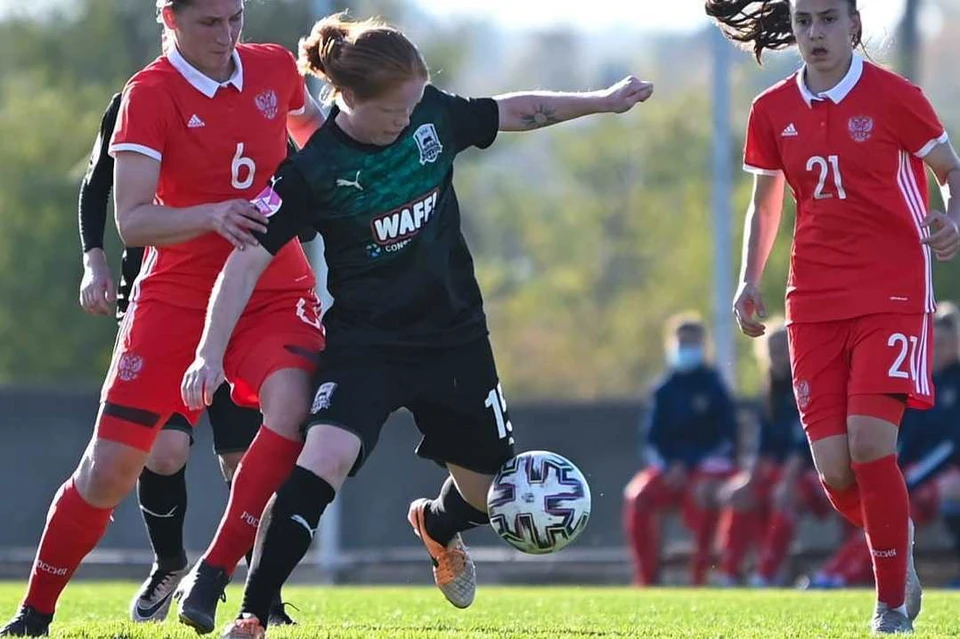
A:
(586, 236)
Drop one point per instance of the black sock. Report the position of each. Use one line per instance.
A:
(163, 504)
(450, 514)
(286, 531)
(952, 522)
(277, 597)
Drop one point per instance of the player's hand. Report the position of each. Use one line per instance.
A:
(98, 292)
(235, 220)
(748, 307)
(625, 94)
(944, 238)
(200, 382)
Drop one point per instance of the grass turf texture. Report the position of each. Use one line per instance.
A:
(95, 609)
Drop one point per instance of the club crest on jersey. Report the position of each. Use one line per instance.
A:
(428, 142)
(860, 127)
(268, 201)
(391, 229)
(267, 103)
(322, 399)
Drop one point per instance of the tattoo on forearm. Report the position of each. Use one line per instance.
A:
(541, 116)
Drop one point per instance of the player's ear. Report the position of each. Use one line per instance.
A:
(169, 18)
(349, 98)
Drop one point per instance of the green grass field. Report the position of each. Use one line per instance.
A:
(93, 610)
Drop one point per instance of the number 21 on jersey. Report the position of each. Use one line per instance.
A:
(827, 168)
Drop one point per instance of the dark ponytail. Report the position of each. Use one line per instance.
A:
(760, 24)
(756, 25)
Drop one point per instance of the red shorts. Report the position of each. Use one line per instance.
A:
(886, 354)
(157, 342)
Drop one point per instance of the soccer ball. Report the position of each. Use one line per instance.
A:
(539, 502)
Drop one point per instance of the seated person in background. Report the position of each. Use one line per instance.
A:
(689, 445)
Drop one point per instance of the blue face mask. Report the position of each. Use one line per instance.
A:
(686, 358)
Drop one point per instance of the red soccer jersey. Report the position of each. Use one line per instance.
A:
(215, 142)
(853, 159)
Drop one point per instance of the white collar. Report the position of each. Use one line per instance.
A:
(837, 93)
(201, 82)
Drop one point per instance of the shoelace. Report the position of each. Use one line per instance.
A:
(450, 564)
(155, 583)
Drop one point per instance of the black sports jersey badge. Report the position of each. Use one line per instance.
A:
(428, 142)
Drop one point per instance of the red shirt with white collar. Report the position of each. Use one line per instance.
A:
(215, 142)
(853, 159)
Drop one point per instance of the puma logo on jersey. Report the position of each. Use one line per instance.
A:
(405, 221)
(790, 131)
(195, 122)
(355, 182)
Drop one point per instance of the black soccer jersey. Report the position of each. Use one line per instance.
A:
(400, 272)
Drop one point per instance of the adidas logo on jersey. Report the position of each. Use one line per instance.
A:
(195, 122)
(790, 131)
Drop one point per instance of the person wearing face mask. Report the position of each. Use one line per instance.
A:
(763, 502)
(689, 443)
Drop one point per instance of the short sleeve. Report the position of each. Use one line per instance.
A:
(918, 127)
(298, 93)
(144, 121)
(287, 202)
(475, 121)
(760, 153)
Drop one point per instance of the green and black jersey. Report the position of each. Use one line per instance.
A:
(400, 272)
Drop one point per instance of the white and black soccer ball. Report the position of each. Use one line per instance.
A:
(539, 502)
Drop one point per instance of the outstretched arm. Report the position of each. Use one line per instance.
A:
(530, 110)
(229, 297)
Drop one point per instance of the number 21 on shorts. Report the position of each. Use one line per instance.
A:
(904, 346)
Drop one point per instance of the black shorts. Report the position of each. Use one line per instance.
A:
(453, 393)
(234, 427)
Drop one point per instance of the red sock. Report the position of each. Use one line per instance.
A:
(737, 532)
(846, 502)
(264, 467)
(776, 544)
(642, 528)
(73, 529)
(886, 512)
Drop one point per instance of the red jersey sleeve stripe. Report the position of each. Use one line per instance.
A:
(931, 145)
(756, 170)
(136, 148)
(914, 200)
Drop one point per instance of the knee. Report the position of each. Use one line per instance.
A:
(330, 453)
(641, 489)
(169, 453)
(107, 475)
(838, 477)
